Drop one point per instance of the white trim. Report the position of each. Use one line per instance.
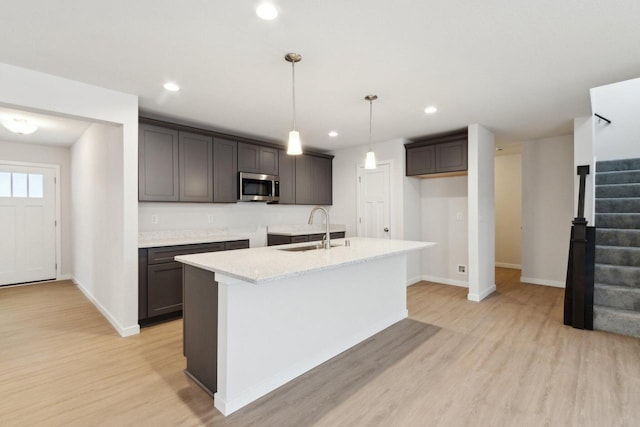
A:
(544, 282)
(483, 295)
(56, 170)
(123, 331)
(445, 281)
(507, 265)
(414, 280)
(66, 277)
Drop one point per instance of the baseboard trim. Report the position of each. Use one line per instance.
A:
(479, 297)
(123, 331)
(65, 277)
(544, 282)
(413, 281)
(445, 281)
(507, 265)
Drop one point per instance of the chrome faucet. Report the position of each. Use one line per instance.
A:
(327, 238)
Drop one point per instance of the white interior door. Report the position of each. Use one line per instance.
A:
(27, 224)
(374, 199)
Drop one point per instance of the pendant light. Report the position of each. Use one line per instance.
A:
(294, 146)
(370, 161)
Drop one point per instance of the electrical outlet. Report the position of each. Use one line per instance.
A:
(210, 218)
(462, 269)
(154, 219)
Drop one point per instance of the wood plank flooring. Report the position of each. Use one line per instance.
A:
(507, 361)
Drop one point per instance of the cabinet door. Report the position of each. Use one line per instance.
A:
(158, 178)
(451, 156)
(322, 179)
(313, 180)
(142, 284)
(248, 158)
(421, 160)
(196, 167)
(238, 244)
(164, 288)
(268, 161)
(225, 171)
(287, 173)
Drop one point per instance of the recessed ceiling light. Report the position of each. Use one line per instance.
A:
(20, 126)
(430, 110)
(171, 86)
(333, 134)
(267, 11)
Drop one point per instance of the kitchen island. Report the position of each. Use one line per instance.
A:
(257, 318)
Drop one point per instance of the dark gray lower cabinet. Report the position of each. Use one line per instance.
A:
(160, 293)
(277, 239)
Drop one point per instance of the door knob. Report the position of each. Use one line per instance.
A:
(386, 229)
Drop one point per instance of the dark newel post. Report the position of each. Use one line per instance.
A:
(579, 244)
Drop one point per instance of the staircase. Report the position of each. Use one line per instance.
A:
(617, 270)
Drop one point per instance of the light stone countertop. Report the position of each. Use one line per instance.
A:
(265, 264)
(302, 229)
(156, 239)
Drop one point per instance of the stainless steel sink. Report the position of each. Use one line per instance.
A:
(304, 248)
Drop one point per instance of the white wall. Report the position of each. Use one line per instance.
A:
(508, 184)
(35, 153)
(444, 207)
(547, 209)
(584, 154)
(404, 196)
(620, 103)
(40, 92)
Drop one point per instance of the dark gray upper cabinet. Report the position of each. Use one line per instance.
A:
(196, 167)
(287, 169)
(225, 171)
(158, 176)
(442, 153)
(257, 159)
(313, 180)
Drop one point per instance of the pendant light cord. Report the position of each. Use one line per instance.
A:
(293, 83)
(370, 120)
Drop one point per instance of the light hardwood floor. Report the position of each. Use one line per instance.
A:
(507, 361)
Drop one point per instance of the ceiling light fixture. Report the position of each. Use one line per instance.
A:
(430, 110)
(267, 11)
(333, 134)
(294, 147)
(20, 126)
(370, 161)
(171, 86)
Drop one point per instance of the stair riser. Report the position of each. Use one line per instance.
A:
(610, 237)
(628, 221)
(627, 205)
(617, 191)
(618, 165)
(629, 177)
(616, 323)
(618, 256)
(625, 299)
(616, 275)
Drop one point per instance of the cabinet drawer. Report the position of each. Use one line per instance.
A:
(164, 292)
(161, 255)
(239, 244)
(337, 235)
(316, 237)
(299, 239)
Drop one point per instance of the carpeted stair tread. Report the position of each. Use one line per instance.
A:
(618, 205)
(618, 321)
(618, 255)
(618, 177)
(621, 297)
(618, 220)
(618, 165)
(617, 275)
(617, 237)
(617, 191)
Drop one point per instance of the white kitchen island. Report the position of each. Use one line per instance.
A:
(275, 314)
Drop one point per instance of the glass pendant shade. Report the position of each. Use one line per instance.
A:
(370, 161)
(294, 147)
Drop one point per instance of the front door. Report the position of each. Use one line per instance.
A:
(27, 224)
(374, 209)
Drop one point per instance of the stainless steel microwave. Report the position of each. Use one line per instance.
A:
(254, 187)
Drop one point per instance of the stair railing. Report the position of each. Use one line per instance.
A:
(578, 296)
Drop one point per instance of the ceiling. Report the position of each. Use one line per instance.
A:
(52, 130)
(521, 68)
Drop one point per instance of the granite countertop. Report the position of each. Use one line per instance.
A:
(155, 239)
(303, 229)
(265, 264)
